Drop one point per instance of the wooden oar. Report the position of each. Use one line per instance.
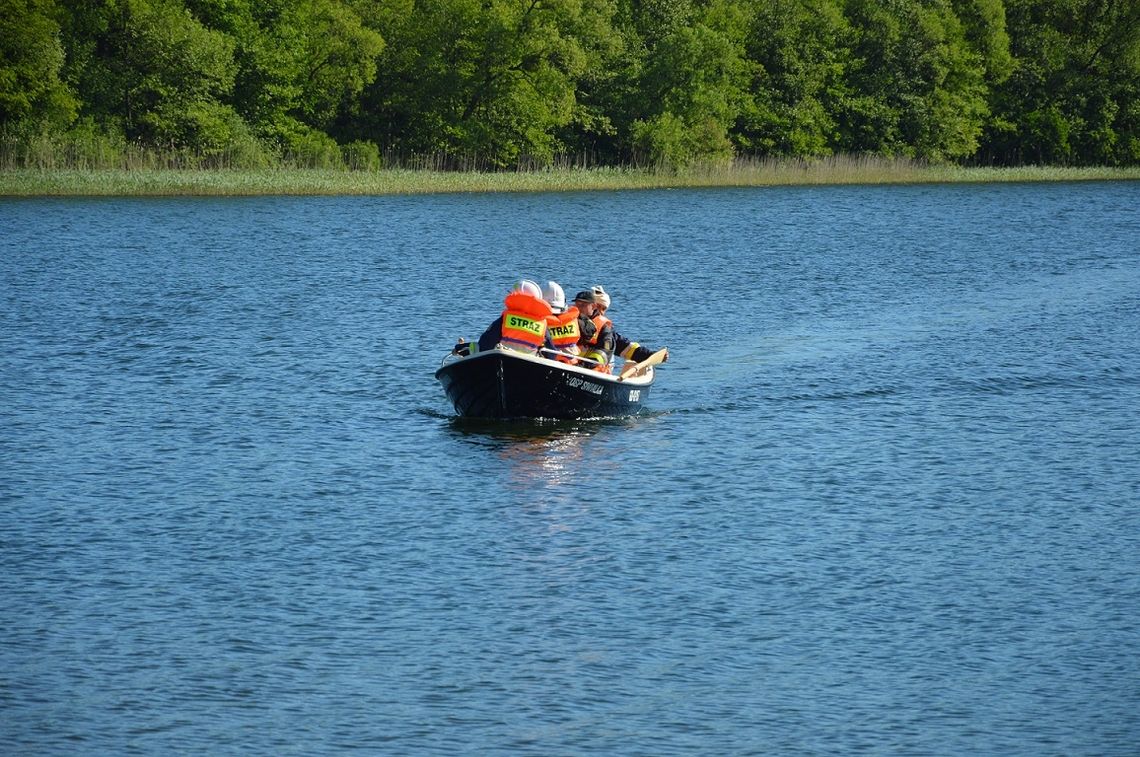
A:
(636, 368)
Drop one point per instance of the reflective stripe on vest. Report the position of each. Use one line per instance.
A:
(599, 359)
(564, 329)
(522, 330)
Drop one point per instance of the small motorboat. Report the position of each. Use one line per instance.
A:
(504, 383)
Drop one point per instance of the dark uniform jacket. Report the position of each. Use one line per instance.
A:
(491, 337)
(630, 350)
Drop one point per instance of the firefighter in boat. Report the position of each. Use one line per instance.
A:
(597, 340)
(522, 326)
(629, 350)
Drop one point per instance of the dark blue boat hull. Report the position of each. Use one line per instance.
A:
(505, 384)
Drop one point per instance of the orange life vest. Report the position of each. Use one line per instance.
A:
(600, 322)
(601, 358)
(524, 322)
(564, 332)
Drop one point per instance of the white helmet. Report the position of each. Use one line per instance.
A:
(554, 296)
(601, 296)
(526, 286)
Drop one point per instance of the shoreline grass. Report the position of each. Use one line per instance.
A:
(31, 182)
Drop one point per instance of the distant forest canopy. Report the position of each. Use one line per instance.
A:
(528, 82)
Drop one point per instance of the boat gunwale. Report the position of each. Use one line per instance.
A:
(645, 379)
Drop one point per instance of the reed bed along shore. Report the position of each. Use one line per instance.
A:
(28, 182)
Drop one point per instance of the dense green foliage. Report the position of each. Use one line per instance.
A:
(500, 83)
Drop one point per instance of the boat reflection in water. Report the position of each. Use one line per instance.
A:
(552, 455)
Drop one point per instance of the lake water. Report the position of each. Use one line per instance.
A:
(885, 499)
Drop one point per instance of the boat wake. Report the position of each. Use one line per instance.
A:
(748, 398)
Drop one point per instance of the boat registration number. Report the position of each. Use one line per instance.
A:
(634, 395)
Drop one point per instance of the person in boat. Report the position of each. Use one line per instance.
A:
(627, 349)
(584, 302)
(564, 323)
(597, 340)
(522, 326)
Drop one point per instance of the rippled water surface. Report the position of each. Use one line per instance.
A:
(885, 499)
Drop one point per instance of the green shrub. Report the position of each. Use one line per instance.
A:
(362, 156)
(88, 145)
(662, 141)
(308, 148)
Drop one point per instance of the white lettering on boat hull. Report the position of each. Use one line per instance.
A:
(578, 382)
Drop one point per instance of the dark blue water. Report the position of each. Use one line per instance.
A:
(886, 501)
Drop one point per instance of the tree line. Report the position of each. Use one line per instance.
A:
(514, 82)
